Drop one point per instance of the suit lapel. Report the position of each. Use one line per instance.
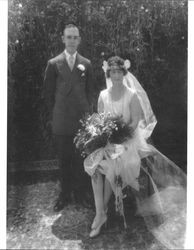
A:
(65, 64)
(64, 67)
(65, 72)
(77, 62)
(69, 76)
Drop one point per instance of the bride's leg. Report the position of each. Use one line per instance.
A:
(107, 193)
(97, 185)
(100, 218)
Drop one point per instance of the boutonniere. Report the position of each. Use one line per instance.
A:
(82, 68)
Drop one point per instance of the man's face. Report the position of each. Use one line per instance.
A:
(71, 39)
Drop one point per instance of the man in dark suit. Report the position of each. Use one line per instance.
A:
(68, 92)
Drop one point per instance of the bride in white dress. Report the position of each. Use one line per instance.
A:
(124, 97)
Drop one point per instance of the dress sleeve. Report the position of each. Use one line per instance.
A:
(136, 111)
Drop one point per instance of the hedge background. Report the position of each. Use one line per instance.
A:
(152, 34)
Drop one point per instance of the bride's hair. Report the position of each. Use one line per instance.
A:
(115, 61)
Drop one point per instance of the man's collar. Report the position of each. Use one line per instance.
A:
(68, 55)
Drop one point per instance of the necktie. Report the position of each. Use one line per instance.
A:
(71, 62)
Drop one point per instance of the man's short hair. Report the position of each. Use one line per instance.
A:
(70, 25)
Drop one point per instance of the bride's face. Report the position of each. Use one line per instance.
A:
(116, 75)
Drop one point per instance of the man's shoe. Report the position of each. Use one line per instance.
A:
(60, 204)
(82, 199)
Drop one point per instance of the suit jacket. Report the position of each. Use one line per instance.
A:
(68, 94)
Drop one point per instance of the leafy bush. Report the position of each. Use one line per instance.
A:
(152, 34)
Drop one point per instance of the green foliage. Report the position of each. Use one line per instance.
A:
(152, 34)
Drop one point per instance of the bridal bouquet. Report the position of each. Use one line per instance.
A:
(99, 129)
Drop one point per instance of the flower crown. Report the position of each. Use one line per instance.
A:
(105, 66)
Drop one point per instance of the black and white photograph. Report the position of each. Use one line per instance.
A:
(97, 124)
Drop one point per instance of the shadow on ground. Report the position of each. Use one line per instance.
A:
(113, 236)
(32, 224)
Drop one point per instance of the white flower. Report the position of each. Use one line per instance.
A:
(81, 67)
(127, 64)
(92, 130)
(105, 66)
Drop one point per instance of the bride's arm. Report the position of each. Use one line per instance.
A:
(100, 104)
(135, 111)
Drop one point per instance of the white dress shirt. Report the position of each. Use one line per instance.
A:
(68, 58)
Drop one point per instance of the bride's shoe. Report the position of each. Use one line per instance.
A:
(95, 231)
(94, 224)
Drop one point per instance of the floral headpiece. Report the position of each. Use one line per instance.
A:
(127, 65)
